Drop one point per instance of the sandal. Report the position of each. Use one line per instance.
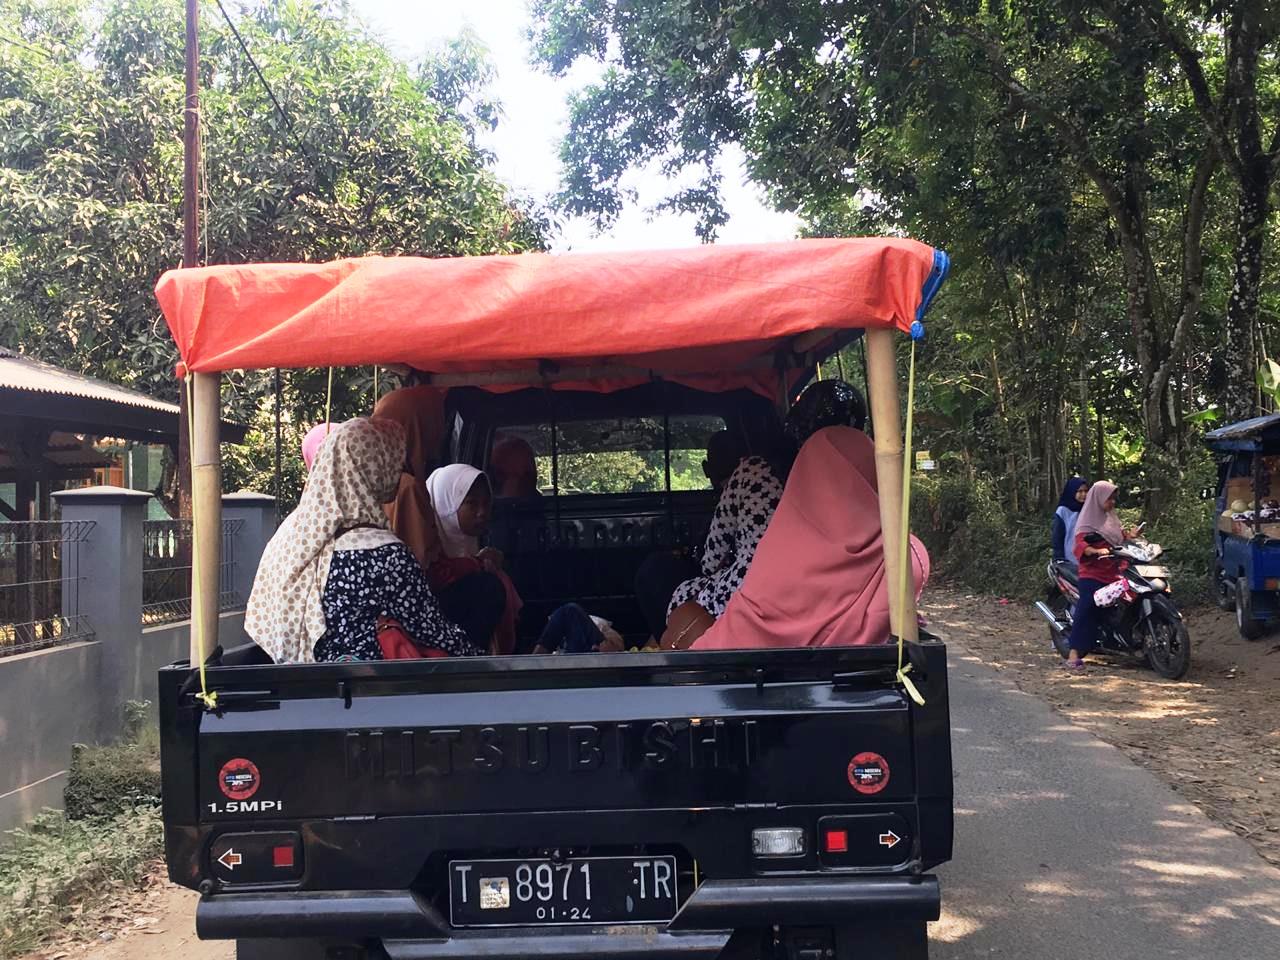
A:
(1077, 667)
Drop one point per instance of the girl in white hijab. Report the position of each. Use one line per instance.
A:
(334, 568)
(462, 501)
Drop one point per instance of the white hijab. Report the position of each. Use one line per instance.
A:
(448, 487)
(355, 472)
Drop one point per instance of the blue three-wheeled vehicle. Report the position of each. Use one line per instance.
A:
(1246, 543)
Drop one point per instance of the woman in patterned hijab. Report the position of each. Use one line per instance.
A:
(333, 568)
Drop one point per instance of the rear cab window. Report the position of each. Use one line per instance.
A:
(619, 455)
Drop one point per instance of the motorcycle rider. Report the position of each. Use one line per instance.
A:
(1099, 523)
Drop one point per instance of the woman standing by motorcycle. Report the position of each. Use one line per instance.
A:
(1097, 530)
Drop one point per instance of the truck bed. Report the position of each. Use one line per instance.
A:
(368, 780)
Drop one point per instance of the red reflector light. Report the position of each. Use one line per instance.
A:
(837, 841)
(282, 856)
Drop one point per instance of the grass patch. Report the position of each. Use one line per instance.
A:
(62, 869)
(55, 871)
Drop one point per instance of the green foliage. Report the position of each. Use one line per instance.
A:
(59, 869)
(1185, 530)
(56, 871)
(252, 464)
(624, 471)
(377, 158)
(973, 539)
(107, 781)
(1062, 153)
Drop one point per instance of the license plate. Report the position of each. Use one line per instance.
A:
(518, 893)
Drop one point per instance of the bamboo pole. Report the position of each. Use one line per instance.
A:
(886, 418)
(206, 497)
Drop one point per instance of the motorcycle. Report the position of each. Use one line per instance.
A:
(1140, 619)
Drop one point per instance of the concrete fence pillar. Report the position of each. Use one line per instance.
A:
(110, 586)
(256, 514)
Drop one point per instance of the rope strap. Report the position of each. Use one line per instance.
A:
(905, 593)
(328, 405)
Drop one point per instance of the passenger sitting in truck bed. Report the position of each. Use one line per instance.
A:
(750, 496)
(312, 441)
(462, 501)
(818, 578)
(749, 491)
(570, 629)
(333, 568)
(420, 411)
(513, 469)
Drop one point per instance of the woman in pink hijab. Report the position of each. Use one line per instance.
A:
(312, 441)
(1097, 531)
(818, 577)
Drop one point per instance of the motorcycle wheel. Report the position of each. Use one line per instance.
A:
(1061, 608)
(1168, 645)
(1223, 591)
(1249, 628)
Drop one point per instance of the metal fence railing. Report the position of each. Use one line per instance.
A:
(40, 584)
(166, 570)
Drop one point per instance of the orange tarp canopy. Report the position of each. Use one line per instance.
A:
(710, 313)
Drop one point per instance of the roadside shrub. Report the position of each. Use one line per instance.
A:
(1185, 530)
(974, 540)
(109, 780)
(56, 872)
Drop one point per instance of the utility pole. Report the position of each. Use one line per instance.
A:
(190, 227)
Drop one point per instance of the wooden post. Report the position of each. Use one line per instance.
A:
(206, 498)
(886, 419)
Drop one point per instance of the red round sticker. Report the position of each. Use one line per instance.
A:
(239, 779)
(869, 773)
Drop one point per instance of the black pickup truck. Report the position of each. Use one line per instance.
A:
(778, 804)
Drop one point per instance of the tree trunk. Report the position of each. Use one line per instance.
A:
(1086, 457)
(1239, 398)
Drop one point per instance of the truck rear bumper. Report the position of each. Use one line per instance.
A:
(412, 929)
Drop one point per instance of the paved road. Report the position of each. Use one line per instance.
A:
(1065, 850)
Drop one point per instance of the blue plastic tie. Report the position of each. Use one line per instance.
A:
(917, 330)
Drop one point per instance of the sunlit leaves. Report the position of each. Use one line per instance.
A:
(375, 157)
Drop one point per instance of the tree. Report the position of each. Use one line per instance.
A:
(1233, 117)
(371, 156)
(1050, 144)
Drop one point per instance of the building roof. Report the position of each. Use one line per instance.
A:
(72, 402)
(1256, 434)
(66, 451)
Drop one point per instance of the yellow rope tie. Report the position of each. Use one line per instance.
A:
(206, 696)
(905, 555)
(328, 405)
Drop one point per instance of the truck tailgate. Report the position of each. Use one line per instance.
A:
(383, 769)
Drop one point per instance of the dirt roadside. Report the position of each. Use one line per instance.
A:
(1214, 737)
(157, 922)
